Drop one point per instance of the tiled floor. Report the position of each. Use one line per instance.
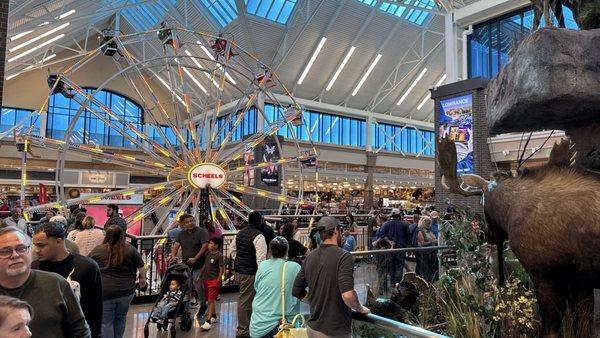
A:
(227, 312)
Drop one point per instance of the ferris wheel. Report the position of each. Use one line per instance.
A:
(212, 85)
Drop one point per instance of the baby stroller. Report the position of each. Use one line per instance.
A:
(183, 275)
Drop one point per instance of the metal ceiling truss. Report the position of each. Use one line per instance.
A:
(399, 74)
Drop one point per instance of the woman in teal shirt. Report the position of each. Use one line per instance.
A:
(266, 306)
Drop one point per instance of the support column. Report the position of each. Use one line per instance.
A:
(451, 48)
(369, 140)
(369, 169)
(3, 37)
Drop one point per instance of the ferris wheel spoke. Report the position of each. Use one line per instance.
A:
(98, 197)
(156, 202)
(99, 154)
(235, 200)
(226, 206)
(133, 62)
(161, 221)
(277, 162)
(114, 119)
(259, 192)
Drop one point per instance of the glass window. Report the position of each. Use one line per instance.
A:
(346, 131)
(490, 45)
(326, 136)
(335, 131)
(223, 11)
(414, 14)
(90, 127)
(9, 117)
(144, 16)
(275, 10)
(354, 141)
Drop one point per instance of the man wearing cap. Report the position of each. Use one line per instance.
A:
(398, 232)
(328, 274)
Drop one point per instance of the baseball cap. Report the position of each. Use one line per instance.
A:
(395, 212)
(328, 223)
(59, 219)
(434, 214)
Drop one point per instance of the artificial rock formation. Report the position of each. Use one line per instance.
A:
(552, 82)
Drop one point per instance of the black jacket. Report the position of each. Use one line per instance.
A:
(245, 259)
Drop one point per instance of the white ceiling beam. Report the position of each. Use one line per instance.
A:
(323, 33)
(365, 24)
(485, 9)
(298, 36)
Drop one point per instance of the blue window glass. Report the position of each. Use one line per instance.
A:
(315, 126)
(335, 130)
(346, 130)
(326, 120)
(223, 11)
(368, 2)
(9, 117)
(490, 44)
(146, 15)
(363, 134)
(274, 10)
(413, 15)
(354, 133)
(89, 127)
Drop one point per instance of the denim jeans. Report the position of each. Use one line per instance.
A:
(114, 315)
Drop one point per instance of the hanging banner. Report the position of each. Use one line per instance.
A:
(456, 121)
(43, 194)
(268, 152)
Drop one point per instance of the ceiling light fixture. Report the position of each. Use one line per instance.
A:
(312, 60)
(425, 99)
(412, 86)
(194, 79)
(39, 37)
(339, 69)
(171, 90)
(49, 57)
(441, 80)
(366, 74)
(36, 47)
(218, 64)
(187, 52)
(64, 15)
(20, 35)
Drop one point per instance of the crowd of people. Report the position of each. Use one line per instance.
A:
(69, 278)
(65, 278)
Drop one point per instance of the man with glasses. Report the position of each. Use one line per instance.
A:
(57, 311)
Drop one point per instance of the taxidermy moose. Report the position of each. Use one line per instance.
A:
(550, 217)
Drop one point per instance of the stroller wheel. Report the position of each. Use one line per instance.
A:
(186, 323)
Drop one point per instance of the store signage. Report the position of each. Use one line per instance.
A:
(456, 122)
(91, 178)
(206, 174)
(117, 199)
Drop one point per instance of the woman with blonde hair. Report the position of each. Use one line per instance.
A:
(88, 237)
(15, 316)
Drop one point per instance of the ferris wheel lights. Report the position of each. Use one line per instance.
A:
(159, 164)
(159, 187)
(129, 193)
(164, 200)
(138, 217)
(94, 199)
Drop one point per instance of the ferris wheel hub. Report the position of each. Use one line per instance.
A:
(203, 175)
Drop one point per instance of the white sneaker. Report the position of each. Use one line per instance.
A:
(214, 320)
(206, 326)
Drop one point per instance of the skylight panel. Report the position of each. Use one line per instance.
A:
(368, 2)
(274, 10)
(147, 15)
(223, 11)
(405, 9)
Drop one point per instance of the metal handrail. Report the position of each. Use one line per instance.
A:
(410, 249)
(394, 326)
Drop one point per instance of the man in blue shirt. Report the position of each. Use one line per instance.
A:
(348, 241)
(434, 222)
(398, 232)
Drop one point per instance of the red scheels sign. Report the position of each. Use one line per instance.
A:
(207, 174)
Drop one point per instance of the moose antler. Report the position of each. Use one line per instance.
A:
(562, 154)
(446, 157)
